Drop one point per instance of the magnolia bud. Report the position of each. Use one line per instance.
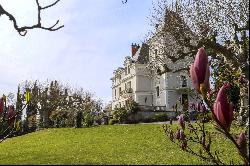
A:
(199, 72)
(171, 135)
(241, 141)
(182, 135)
(223, 110)
(181, 121)
(178, 134)
(184, 144)
(203, 108)
(198, 107)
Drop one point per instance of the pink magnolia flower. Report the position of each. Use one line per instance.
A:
(242, 80)
(178, 134)
(171, 135)
(181, 121)
(199, 71)
(242, 142)
(184, 144)
(182, 135)
(198, 107)
(222, 109)
(191, 105)
(203, 108)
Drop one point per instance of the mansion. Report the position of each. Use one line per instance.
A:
(136, 80)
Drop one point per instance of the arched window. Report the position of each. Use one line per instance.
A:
(183, 81)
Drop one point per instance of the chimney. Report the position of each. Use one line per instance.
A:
(134, 48)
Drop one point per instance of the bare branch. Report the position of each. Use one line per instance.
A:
(23, 30)
(50, 5)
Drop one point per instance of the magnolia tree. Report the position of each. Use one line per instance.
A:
(222, 114)
(221, 27)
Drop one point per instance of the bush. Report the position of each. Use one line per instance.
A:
(120, 114)
(88, 120)
(113, 121)
(132, 107)
(161, 117)
(148, 120)
(131, 121)
(78, 120)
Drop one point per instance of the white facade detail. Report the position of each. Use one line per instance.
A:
(134, 80)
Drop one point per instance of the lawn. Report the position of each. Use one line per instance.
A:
(109, 144)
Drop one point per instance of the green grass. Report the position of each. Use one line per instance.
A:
(117, 144)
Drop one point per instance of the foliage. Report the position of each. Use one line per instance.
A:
(50, 104)
(78, 119)
(221, 27)
(121, 114)
(88, 119)
(132, 107)
(113, 121)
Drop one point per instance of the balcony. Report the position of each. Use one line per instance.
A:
(129, 90)
(126, 93)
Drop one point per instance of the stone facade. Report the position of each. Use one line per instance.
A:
(136, 81)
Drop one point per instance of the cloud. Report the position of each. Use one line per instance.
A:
(96, 38)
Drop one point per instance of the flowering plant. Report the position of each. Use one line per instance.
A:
(222, 110)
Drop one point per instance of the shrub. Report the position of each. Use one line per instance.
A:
(161, 117)
(78, 123)
(133, 107)
(88, 120)
(113, 121)
(120, 114)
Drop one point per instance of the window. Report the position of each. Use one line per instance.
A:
(155, 52)
(129, 84)
(184, 101)
(126, 103)
(128, 70)
(115, 93)
(157, 91)
(119, 78)
(120, 90)
(183, 81)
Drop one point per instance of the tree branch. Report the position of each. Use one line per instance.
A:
(23, 30)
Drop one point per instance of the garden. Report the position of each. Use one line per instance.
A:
(107, 144)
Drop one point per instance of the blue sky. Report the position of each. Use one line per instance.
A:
(96, 38)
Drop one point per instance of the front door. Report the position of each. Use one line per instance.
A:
(184, 102)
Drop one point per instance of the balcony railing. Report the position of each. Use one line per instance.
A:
(129, 90)
(126, 93)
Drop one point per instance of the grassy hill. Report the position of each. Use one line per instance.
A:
(118, 144)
